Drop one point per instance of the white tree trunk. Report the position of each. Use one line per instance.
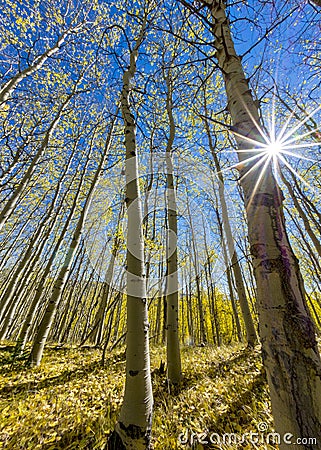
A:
(133, 429)
(251, 336)
(172, 344)
(172, 328)
(289, 346)
(47, 320)
(13, 199)
(10, 85)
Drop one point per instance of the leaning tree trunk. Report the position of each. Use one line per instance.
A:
(303, 216)
(289, 346)
(133, 429)
(13, 199)
(251, 336)
(48, 318)
(30, 258)
(8, 87)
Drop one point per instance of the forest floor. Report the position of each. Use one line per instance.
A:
(72, 402)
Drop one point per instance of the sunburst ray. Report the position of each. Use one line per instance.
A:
(276, 148)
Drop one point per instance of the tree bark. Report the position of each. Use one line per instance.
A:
(47, 320)
(289, 346)
(133, 429)
(10, 85)
(172, 328)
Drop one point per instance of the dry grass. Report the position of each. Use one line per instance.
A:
(72, 402)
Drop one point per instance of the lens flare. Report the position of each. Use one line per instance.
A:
(277, 148)
(274, 148)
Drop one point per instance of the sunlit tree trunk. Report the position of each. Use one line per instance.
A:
(30, 258)
(47, 320)
(189, 307)
(172, 329)
(305, 244)
(13, 199)
(195, 261)
(74, 301)
(229, 280)
(98, 331)
(133, 429)
(289, 346)
(251, 336)
(303, 216)
(8, 87)
(40, 289)
(211, 291)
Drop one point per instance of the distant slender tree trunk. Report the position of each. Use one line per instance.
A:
(98, 331)
(229, 280)
(215, 315)
(311, 208)
(47, 320)
(189, 307)
(147, 192)
(172, 328)
(74, 300)
(304, 243)
(133, 429)
(303, 216)
(13, 199)
(172, 342)
(210, 290)
(251, 336)
(195, 260)
(9, 86)
(30, 258)
(158, 319)
(164, 298)
(115, 325)
(289, 346)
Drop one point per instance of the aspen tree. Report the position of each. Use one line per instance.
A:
(12, 201)
(303, 216)
(172, 328)
(211, 291)
(289, 346)
(229, 279)
(133, 429)
(98, 331)
(8, 87)
(196, 266)
(47, 320)
(41, 288)
(31, 256)
(251, 336)
(7, 295)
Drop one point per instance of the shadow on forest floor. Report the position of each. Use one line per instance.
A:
(215, 370)
(218, 392)
(66, 376)
(77, 438)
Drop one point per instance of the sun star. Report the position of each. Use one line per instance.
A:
(275, 148)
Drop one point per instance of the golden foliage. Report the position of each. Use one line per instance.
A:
(72, 402)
